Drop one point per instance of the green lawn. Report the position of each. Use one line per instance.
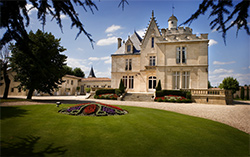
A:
(39, 130)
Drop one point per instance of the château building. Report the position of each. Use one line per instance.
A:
(173, 55)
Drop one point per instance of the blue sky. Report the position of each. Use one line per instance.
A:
(110, 22)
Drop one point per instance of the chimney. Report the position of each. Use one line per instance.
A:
(119, 42)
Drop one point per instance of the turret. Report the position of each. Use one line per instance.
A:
(172, 22)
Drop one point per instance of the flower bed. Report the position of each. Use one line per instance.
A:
(93, 109)
(111, 96)
(172, 98)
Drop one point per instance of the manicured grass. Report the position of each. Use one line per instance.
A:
(39, 130)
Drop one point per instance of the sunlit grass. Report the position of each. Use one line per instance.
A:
(39, 130)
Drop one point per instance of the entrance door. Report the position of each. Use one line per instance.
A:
(151, 83)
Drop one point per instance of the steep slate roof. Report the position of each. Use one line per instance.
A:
(136, 40)
(91, 73)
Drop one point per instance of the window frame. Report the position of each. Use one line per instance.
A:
(181, 55)
(125, 81)
(131, 82)
(152, 60)
(185, 79)
(176, 80)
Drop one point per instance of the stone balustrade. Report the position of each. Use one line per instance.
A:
(210, 96)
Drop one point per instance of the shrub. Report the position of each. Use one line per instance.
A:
(121, 86)
(118, 92)
(87, 90)
(242, 93)
(247, 93)
(105, 91)
(158, 88)
(171, 92)
(159, 100)
(188, 95)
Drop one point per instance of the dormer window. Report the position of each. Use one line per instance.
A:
(128, 48)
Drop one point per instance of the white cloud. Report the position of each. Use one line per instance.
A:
(79, 49)
(80, 63)
(214, 30)
(212, 42)
(108, 61)
(223, 63)
(107, 41)
(29, 6)
(141, 32)
(106, 73)
(99, 58)
(109, 35)
(62, 16)
(219, 71)
(217, 79)
(113, 28)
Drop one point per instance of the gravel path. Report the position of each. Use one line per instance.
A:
(237, 116)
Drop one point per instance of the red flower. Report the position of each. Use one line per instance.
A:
(90, 109)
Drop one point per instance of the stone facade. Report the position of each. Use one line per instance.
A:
(72, 85)
(173, 55)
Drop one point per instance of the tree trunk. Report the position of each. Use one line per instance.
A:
(29, 96)
(6, 81)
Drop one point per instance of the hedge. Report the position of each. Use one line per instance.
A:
(105, 91)
(173, 92)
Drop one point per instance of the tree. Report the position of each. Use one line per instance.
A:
(224, 19)
(121, 86)
(209, 85)
(78, 72)
(68, 70)
(4, 57)
(44, 71)
(14, 17)
(242, 93)
(247, 93)
(229, 83)
(158, 88)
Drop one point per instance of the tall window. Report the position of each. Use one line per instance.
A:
(181, 55)
(185, 79)
(128, 65)
(72, 82)
(125, 80)
(128, 48)
(152, 60)
(153, 42)
(131, 82)
(176, 80)
(178, 55)
(151, 82)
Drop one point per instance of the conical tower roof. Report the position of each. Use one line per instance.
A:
(91, 73)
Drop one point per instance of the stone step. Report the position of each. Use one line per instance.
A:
(138, 97)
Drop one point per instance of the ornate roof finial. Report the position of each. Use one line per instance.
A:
(173, 9)
(152, 13)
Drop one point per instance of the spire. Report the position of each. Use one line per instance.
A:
(91, 73)
(153, 14)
